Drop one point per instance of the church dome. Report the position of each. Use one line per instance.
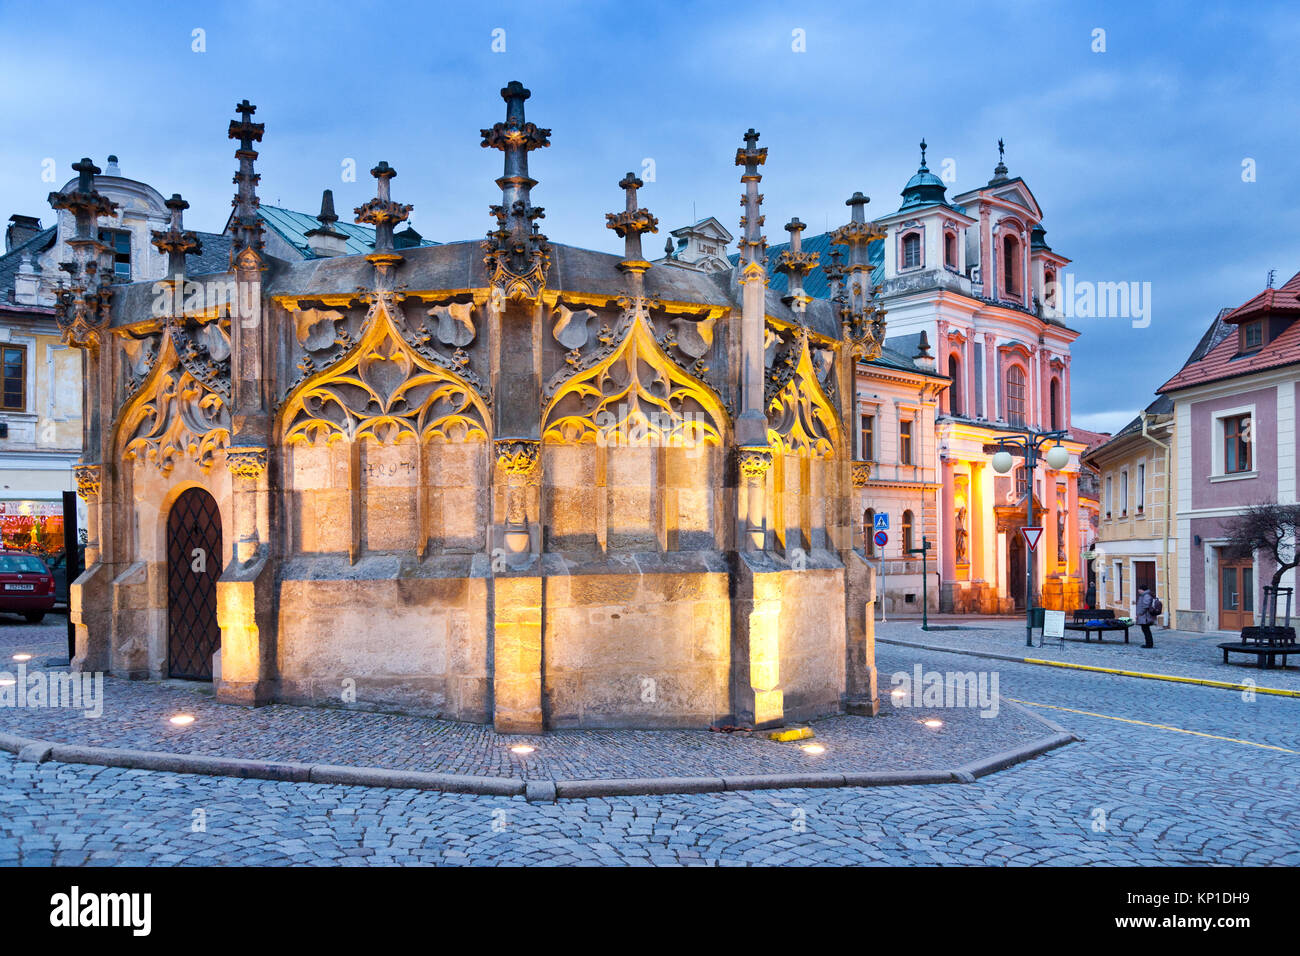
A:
(925, 188)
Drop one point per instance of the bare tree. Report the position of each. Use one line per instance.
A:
(1268, 529)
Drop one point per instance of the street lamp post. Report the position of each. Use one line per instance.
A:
(1027, 444)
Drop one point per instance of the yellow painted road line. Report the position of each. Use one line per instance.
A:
(1143, 723)
(1226, 685)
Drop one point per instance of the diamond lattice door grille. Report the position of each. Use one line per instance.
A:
(193, 563)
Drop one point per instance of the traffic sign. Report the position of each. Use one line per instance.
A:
(1032, 533)
(881, 539)
(882, 521)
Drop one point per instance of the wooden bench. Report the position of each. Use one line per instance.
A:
(1267, 643)
(1100, 620)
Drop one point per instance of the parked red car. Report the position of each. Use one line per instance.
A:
(26, 585)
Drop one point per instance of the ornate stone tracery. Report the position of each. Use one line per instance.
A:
(175, 413)
(633, 392)
(385, 389)
(801, 417)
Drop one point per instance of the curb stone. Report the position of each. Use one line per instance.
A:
(37, 752)
(534, 791)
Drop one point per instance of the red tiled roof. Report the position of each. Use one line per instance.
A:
(1284, 299)
(1091, 439)
(1223, 362)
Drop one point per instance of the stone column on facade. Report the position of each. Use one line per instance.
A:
(246, 587)
(517, 260)
(245, 590)
(92, 620)
(82, 314)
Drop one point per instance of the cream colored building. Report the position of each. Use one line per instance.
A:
(1137, 539)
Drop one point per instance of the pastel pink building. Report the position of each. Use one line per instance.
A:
(1235, 432)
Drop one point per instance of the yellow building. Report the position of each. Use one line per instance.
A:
(40, 397)
(1136, 542)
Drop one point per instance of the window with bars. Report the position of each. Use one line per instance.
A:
(14, 359)
(1015, 395)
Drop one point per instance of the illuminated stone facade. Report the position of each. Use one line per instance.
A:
(509, 481)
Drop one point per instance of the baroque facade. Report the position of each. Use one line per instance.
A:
(970, 288)
(510, 481)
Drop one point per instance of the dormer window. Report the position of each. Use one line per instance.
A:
(1252, 336)
(911, 250)
(119, 244)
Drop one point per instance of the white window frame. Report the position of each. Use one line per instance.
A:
(1141, 492)
(1110, 496)
(1123, 492)
(1217, 431)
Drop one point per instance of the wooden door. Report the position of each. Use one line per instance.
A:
(1236, 594)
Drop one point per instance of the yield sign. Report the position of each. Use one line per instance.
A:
(1032, 533)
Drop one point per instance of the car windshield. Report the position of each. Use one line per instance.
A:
(25, 563)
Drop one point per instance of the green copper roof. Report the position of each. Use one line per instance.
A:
(294, 226)
(923, 189)
(815, 283)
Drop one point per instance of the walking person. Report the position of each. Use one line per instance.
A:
(1148, 611)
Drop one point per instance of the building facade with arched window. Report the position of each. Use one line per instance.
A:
(969, 288)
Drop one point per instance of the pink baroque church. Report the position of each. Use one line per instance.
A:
(977, 351)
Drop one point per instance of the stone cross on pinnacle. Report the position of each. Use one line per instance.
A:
(244, 129)
(631, 222)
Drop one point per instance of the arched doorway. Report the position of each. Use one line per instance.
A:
(194, 557)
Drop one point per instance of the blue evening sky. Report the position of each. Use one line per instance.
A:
(1135, 154)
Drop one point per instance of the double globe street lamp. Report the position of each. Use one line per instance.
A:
(1027, 445)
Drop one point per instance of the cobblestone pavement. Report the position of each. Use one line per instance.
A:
(1214, 783)
(49, 639)
(1179, 653)
(135, 715)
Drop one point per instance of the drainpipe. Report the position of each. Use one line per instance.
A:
(1168, 450)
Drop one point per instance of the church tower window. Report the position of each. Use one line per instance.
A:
(1011, 264)
(911, 250)
(954, 390)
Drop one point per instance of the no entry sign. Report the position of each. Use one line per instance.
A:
(1032, 534)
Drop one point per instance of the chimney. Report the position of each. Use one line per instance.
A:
(327, 241)
(21, 228)
(27, 282)
(112, 169)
